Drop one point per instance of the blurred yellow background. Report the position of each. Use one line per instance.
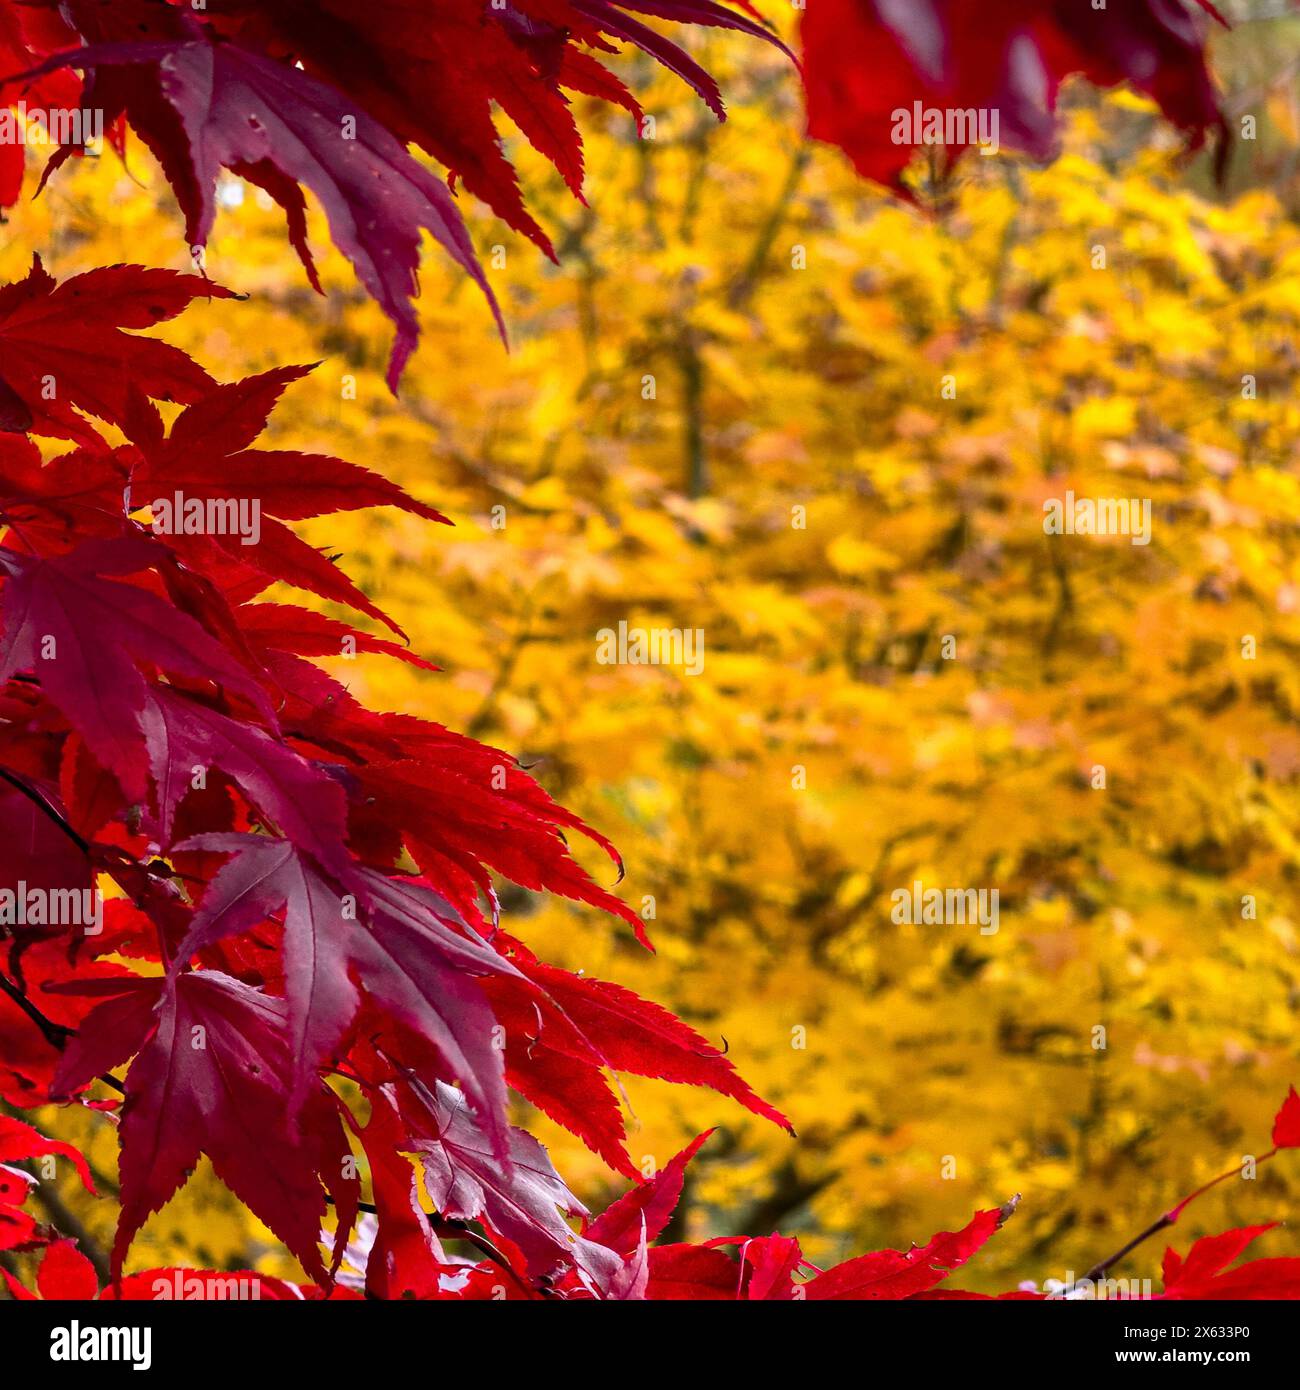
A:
(726, 411)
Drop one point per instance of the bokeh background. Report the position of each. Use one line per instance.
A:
(798, 487)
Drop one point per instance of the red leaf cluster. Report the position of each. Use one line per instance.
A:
(307, 885)
(335, 98)
(332, 96)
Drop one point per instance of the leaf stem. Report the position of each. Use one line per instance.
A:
(38, 800)
(1167, 1220)
(54, 1033)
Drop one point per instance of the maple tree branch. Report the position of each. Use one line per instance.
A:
(483, 716)
(1177, 1211)
(1167, 1220)
(54, 1033)
(692, 370)
(38, 800)
(458, 1230)
(1100, 1268)
(747, 281)
(69, 1224)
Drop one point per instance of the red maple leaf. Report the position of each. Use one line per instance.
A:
(70, 338)
(1203, 1272)
(644, 1211)
(902, 1274)
(1286, 1125)
(867, 61)
(19, 1141)
(211, 1077)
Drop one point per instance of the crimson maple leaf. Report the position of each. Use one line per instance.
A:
(211, 1076)
(286, 94)
(891, 1274)
(35, 853)
(208, 454)
(867, 60)
(25, 33)
(1286, 1124)
(400, 942)
(295, 795)
(65, 1274)
(63, 348)
(1203, 1272)
(635, 1035)
(29, 1059)
(519, 1195)
(90, 638)
(642, 1213)
(19, 1141)
(282, 627)
(206, 457)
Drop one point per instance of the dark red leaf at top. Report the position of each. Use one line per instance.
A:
(865, 61)
(431, 75)
(202, 106)
(25, 33)
(326, 96)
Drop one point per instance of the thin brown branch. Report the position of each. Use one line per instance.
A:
(1168, 1219)
(39, 801)
(54, 1033)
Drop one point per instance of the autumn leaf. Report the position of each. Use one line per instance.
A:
(63, 348)
(898, 1274)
